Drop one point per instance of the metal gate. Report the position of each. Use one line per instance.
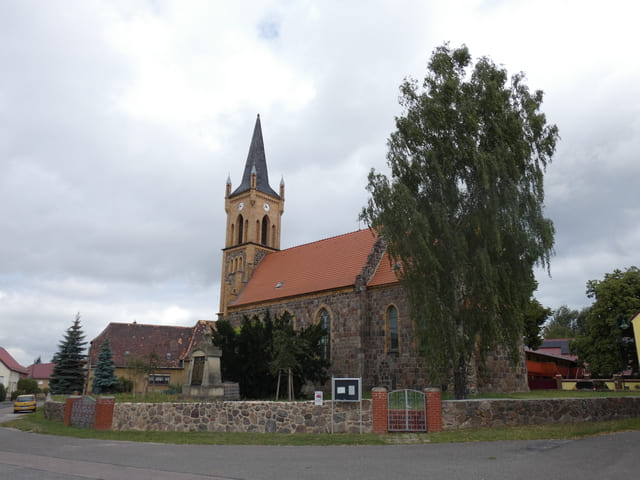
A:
(407, 412)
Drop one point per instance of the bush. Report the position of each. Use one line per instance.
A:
(28, 385)
(124, 385)
(3, 392)
(174, 389)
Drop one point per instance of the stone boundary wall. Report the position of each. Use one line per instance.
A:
(243, 416)
(305, 417)
(54, 411)
(459, 414)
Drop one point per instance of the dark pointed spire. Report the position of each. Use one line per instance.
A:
(256, 162)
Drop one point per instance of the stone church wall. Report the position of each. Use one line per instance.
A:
(358, 341)
(345, 309)
(392, 370)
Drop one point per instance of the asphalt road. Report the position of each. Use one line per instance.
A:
(28, 456)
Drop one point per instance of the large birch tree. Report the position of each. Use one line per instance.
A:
(462, 210)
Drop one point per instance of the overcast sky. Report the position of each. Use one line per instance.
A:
(121, 120)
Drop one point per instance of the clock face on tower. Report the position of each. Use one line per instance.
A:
(240, 205)
(266, 207)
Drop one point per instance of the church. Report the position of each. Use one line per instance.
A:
(347, 283)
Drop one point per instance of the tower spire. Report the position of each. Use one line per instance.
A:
(256, 163)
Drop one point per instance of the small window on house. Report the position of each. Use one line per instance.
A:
(392, 329)
(325, 342)
(159, 379)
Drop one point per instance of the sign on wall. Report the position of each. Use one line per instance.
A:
(347, 389)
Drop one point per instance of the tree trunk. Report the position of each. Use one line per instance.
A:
(290, 385)
(460, 378)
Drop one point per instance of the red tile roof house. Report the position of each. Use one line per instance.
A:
(41, 373)
(131, 342)
(10, 371)
(346, 282)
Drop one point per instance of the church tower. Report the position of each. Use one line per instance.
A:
(253, 211)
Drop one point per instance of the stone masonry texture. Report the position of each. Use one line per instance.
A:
(305, 417)
(358, 341)
(461, 414)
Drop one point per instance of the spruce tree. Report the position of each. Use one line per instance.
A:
(104, 379)
(68, 373)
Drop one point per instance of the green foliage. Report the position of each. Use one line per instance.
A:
(534, 317)
(174, 389)
(104, 379)
(27, 385)
(140, 367)
(3, 392)
(254, 354)
(607, 344)
(68, 373)
(124, 385)
(565, 323)
(462, 211)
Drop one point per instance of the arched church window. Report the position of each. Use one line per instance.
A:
(265, 230)
(392, 329)
(240, 223)
(324, 319)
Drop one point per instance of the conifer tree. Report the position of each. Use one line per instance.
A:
(104, 379)
(69, 373)
(253, 354)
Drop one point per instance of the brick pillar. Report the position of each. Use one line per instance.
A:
(68, 408)
(379, 407)
(433, 404)
(104, 413)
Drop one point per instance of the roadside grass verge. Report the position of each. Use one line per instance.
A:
(35, 422)
(558, 431)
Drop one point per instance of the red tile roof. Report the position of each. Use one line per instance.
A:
(40, 370)
(128, 340)
(323, 265)
(10, 363)
(384, 274)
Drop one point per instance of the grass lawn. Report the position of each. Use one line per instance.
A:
(35, 422)
(178, 398)
(534, 394)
